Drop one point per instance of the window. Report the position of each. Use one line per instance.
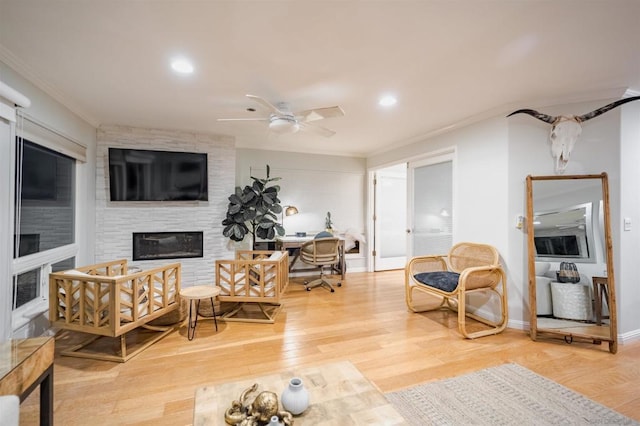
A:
(44, 199)
(44, 224)
(26, 287)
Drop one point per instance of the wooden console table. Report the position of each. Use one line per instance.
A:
(338, 395)
(26, 364)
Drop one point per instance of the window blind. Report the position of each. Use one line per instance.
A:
(38, 132)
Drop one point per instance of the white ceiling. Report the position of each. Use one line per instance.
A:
(448, 62)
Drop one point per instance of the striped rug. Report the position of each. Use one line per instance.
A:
(505, 395)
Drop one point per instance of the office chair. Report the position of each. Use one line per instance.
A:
(322, 252)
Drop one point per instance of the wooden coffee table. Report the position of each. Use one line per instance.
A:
(338, 394)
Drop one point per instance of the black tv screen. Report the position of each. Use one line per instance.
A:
(557, 246)
(145, 175)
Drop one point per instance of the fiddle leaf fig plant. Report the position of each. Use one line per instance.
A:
(254, 210)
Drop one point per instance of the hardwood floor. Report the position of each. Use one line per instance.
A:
(365, 321)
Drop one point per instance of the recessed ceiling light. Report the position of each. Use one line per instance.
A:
(387, 100)
(182, 66)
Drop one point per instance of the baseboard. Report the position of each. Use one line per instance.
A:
(629, 336)
(518, 325)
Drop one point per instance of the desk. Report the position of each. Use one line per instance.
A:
(291, 242)
(338, 395)
(26, 364)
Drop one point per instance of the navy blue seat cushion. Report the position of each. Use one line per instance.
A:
(442, 280)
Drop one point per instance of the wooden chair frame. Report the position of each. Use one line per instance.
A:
(479, 272)
(253, 279)
(106, 301)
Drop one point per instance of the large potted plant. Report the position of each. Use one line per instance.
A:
(254, 210)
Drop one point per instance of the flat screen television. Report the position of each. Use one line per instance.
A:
(145, 175)
(557, 246)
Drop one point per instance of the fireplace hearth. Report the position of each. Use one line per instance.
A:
(167, 245)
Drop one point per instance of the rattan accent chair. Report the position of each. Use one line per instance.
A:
(468, 268)
(324, 253)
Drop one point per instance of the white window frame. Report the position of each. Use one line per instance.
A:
(43, 260)
(39, 134)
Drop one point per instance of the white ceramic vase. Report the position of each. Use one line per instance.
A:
(275, 421)
(295, 398)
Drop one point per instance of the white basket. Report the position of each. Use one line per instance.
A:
(571, 301)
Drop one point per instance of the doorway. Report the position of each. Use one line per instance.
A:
(390, 218)
(412, 211)
(430, 218)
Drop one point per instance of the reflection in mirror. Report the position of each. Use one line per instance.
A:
(566, 233)
(567, 221)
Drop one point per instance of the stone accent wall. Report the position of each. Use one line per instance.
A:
(117, 221)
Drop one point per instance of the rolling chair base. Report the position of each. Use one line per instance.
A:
(320, 282)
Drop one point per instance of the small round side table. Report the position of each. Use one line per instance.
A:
(194, 294)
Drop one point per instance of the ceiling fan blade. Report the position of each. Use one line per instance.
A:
(242, 119)
(322, 131)
(266, 104)
(321, 113)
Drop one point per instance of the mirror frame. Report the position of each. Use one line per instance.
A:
(588, 332)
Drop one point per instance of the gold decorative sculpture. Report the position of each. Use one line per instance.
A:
(257, 413)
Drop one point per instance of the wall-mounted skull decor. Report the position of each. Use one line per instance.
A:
(565, 130)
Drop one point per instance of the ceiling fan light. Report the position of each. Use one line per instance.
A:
(283, 125)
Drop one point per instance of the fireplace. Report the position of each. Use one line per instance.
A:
(167, 245)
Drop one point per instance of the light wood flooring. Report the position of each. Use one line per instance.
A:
(365, 321)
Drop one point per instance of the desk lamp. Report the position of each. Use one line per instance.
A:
(288, 211)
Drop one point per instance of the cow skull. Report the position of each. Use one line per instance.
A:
(565, 130)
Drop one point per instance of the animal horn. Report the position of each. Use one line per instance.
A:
(542, 117)
(605, 108)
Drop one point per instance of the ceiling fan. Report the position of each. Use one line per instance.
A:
(282, 120)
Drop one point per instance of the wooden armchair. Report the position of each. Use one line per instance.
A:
(255, 278)
(105, 300)
(468, 268)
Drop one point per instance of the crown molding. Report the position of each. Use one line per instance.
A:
(13, 62)
(505, 109)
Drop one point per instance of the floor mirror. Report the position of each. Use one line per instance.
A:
(569, 228)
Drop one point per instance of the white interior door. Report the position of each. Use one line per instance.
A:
(390, 218)
(430, 212)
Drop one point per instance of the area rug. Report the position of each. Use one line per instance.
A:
(505, 395)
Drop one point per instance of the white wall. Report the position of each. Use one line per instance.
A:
(117, 221)
(47, 110)
(627, 276)
(315, 184)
